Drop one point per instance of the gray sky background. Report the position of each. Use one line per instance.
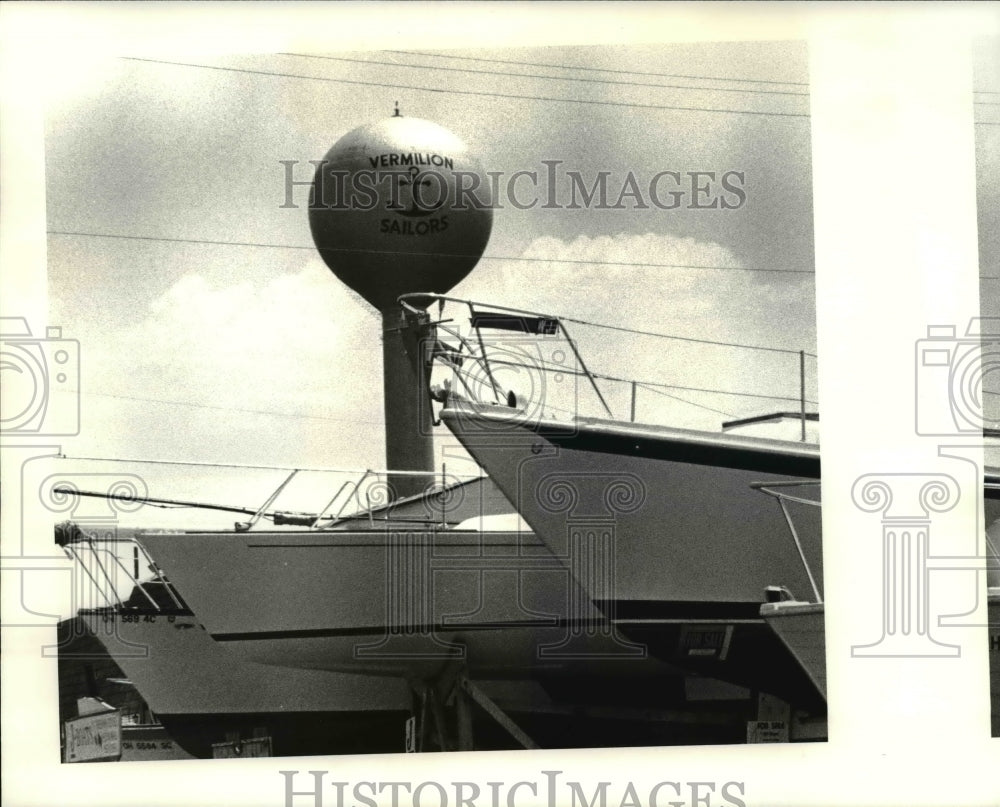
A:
(259, 355)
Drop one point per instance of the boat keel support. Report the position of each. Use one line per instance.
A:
(445, 703)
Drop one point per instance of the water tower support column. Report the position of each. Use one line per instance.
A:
(408, 418)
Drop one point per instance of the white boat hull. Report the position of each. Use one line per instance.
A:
(398, 603)
(675, 509)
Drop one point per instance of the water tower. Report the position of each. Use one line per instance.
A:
(389, 217)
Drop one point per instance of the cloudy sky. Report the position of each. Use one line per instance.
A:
(251, 352)
(257, 354)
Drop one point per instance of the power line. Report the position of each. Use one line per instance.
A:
(550, 78)
(248, 466)
(224, 408)
(546, 367)
(704, 389)
(684, 400)
(624, 72)
(439, 254)
(546, 407)
(480, 93)
(211, 242)
(648, 264)
(648, 385)
(175, 240)
(598, 69)
(542, 260)
(683, 338)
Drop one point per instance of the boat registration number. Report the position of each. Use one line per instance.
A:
(134, 618)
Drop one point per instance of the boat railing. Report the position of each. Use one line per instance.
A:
(372, 499)
(785, 491)
(112, 564)
(780, 492)
(367, 495)
(501, 318)
(476, 360)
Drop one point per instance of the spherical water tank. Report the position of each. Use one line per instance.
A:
(400, 206)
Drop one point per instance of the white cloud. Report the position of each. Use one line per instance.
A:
(301, 345)
(298, 345)
(643, 283)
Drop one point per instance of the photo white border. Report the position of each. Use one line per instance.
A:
(902, 732)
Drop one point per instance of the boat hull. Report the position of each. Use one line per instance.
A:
(201, 697)
(672, 510)
(801, 627)
(406, 604)
(730, 642)
(179, 670)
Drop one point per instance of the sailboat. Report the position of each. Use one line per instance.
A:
(674, 510)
